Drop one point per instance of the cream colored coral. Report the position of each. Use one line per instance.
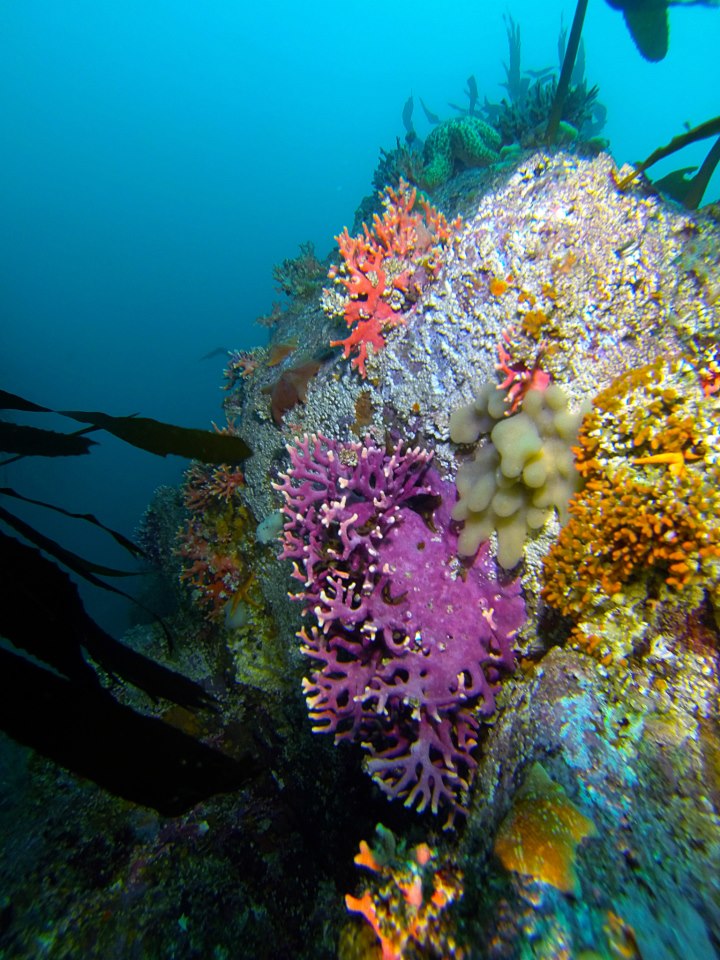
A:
(523, 472)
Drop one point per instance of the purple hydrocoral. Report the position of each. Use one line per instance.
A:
(410, 642)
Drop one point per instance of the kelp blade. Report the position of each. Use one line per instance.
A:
(164, 438)
(145, 433)
(36, 442)
(118, 537)
(11, 401)
(60, 628)
(133, 756)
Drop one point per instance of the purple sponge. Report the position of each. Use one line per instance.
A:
(410, 642)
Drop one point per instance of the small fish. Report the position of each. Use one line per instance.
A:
(217, 352)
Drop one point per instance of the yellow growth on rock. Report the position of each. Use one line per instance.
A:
(540, 835)
(650, 508)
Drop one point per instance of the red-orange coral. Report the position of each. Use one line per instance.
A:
(203, 484)
(214, 541)
(519, 379)
(379, 265)
(405, 903)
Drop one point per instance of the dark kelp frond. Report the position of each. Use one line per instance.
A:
(87, 569)
(647, 23)
(133, 756)
(571, 52)
(41, 612)
(147, 434)
(164, 438)
(11, 401)
(710, 128)
(36, 442)
(118, 537)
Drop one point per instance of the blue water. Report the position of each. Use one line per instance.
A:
(159, 157)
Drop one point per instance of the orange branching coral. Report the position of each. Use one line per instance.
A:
(384, 269)
(650, 508)
(406, 900)
(242, 365)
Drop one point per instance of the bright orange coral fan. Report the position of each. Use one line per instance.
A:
(380, 266)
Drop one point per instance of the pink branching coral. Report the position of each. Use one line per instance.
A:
(385, 267)
(409, 644)
(519, 379)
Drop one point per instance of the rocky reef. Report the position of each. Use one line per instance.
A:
(479, 533)
(582, 303)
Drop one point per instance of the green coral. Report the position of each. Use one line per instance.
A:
(468, 140)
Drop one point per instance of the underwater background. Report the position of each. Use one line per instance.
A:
(176, 181)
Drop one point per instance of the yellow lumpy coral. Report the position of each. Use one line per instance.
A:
(521, 475)
(650, 506)
(541, 833)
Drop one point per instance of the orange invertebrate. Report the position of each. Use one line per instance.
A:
(498, 286)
